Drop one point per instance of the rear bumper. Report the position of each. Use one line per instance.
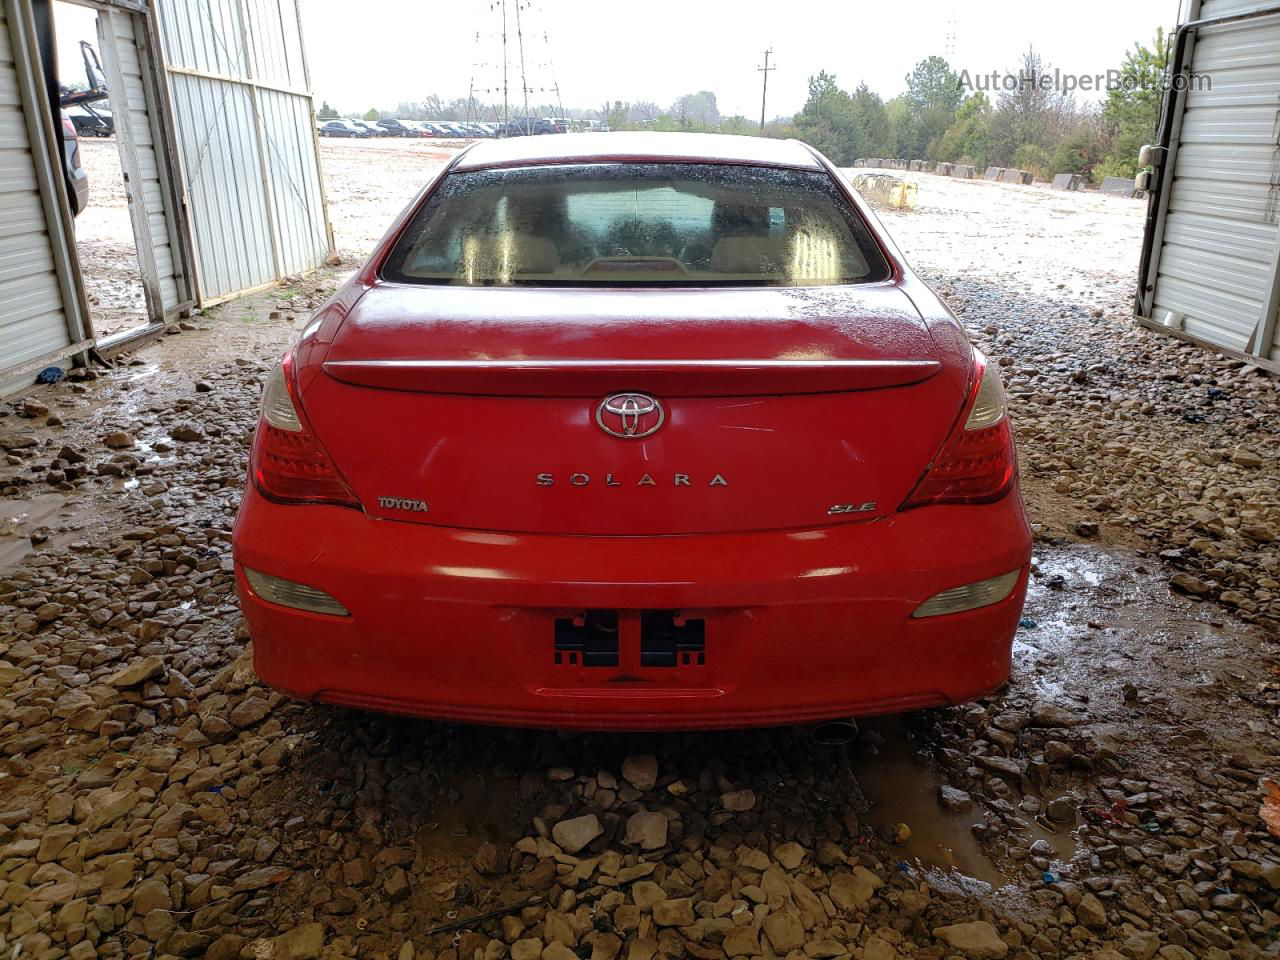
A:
(801, 626)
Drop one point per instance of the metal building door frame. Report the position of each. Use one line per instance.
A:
(47, 170)
(160, 116)
(1258, 350)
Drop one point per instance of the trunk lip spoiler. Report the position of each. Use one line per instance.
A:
(589, 378)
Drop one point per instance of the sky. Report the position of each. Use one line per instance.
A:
(405, 50)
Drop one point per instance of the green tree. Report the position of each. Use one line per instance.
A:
(870, 122)
(740, 125)
(933, 95)
(1132, 109)
(697, 111)
(1034, 112)
(968, 140)
(1077, 153)
(903, 132)
(326, 112)
(372, 114)
(1034, 159)
(827, 119)
(615, 115)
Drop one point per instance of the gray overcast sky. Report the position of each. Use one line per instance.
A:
(380, 52)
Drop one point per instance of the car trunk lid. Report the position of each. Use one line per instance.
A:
(489, 408)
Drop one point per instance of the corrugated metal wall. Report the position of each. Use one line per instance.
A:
(35, 300)
(246, 134)
(1216, 267)
(130, 79)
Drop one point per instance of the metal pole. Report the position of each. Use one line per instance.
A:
(506, 114)
(524, 82)
(764, 94)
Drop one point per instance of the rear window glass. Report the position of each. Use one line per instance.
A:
(635, 224)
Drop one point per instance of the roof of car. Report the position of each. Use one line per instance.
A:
(638, 146)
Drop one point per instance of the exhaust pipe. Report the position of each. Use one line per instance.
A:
(835, 733)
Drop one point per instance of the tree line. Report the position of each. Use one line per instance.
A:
(1033, 123)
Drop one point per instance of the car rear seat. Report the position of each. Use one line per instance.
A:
(738, 255)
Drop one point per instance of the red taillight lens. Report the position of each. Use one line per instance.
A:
(288, 463)
(977, 462)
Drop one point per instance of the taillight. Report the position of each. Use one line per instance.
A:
(977, 462)
(288, 463)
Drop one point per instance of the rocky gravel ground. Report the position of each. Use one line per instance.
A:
(157, 801)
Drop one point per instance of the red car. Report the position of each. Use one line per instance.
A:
(634, 431)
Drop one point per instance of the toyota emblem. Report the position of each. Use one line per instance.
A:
(630, 416)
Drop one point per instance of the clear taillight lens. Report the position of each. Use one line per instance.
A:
(977, 462)
(288, 463)
(969, 597)
(288, 593)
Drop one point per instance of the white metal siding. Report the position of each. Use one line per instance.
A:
(33, 321)
(1217, 263)
(246, 134)
(155, 230)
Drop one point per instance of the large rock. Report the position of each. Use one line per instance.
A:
(641, 771)
(574, 834)
(647, 830)
(853, 891)
(977, 939)
(673, 913)
(784, 930)
(300, 943)
(140, 671)
(1091, 912)
(742, 941)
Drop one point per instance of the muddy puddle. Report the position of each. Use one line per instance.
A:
(902, 790)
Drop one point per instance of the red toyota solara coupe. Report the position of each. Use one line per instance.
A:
(634, 431)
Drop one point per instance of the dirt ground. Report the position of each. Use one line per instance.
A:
(155, 800)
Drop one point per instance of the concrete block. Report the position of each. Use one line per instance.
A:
(1119, 187)
(1068, 181)
(882, 188)
(994, 173)
(943, 169)
(964, 171)
(1015, 176)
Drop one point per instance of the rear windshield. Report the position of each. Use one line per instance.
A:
(631, 224)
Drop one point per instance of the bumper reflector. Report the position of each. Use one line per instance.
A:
(969, 597)
(296, 595)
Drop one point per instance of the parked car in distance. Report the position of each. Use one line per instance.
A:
(97, 123)
(341, 128)
(526, 126)
(398, 128)
(370, 125)
(76, 176)
(535, 463)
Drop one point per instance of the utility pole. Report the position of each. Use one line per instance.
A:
(764, 94)
(505, 111)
